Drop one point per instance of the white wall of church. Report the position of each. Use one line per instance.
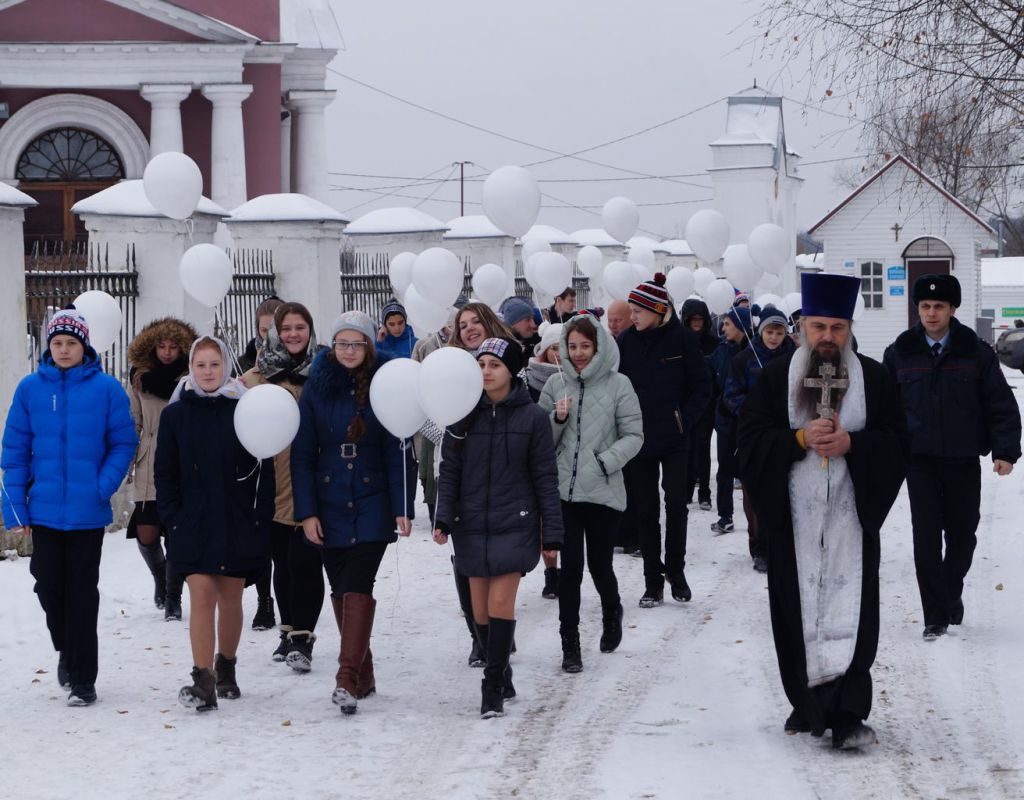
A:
(862, 231)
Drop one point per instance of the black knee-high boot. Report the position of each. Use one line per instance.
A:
(500, 633)
(153, 555)
(478, 654)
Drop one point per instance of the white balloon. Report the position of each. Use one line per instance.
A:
(529, 270)
(438, 275)
(553, 273)
(769, 247)
(511, 200)
(642, 255)
(102, 315)
(772, 300)
(173, 184)
(740, 269)
(707, 233)
(702, 279)
(393, 403)
(449, 385)
(719, 296)
(206, 273)
(642, 273)
(619, 279)
(793, 301)
(424, 315)
(489, 284)
(590, 261)
(768, 281)
(858, 308)
(266, 420)
(621, 218)
(400, 272)
(534, 245)
(679, 283)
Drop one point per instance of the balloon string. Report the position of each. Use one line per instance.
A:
(190, 227)
(231, 350)
(9, 500)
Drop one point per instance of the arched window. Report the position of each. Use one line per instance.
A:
(69, 155)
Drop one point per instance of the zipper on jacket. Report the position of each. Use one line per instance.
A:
(63, 441)
(579, 440)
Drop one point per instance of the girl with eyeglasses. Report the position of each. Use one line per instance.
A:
(354, 486)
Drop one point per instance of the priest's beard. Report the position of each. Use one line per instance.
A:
(808, 398)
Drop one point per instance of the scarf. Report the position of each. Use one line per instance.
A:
(276, 364)
(230, 387)
(162, 379)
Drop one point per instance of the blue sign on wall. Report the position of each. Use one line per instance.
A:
(897, 274)
(896, 291)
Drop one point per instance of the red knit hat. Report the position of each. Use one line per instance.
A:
(652, 295)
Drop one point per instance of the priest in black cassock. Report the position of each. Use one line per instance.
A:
(821, 489)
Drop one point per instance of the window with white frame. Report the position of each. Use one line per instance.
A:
(871, 284)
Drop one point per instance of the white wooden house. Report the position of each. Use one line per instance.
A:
(895, 226)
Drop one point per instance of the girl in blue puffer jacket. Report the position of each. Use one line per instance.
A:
(69, 441)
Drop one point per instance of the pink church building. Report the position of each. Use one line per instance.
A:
(90, 90)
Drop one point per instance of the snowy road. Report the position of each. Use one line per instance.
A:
(689, 706)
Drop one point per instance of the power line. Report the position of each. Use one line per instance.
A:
(481, 178)
(388, 194)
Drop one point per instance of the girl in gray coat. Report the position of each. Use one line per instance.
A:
(597, 425)
(496, 490)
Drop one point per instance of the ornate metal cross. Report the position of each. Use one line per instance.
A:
(827, 382)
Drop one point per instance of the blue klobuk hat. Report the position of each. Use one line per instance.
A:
(826, 295)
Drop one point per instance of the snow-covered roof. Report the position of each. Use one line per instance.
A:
(1002, 272)
(9, 196)
(810, 260)
(311, 24)
(293, 207)
(128, 199)
(647, 241)
(399, 219)
(677, 247)
(598, 237)
(550, 234)
(475, 226)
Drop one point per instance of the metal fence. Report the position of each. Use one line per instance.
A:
(57, 273)
(253, 282)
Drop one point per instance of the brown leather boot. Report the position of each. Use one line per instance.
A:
(356, 625)
(365, 683)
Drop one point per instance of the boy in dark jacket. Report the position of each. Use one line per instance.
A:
(663, 361)
(67, 446)
(958, 407)
(395, 338)
(696, 317)
(770, 343)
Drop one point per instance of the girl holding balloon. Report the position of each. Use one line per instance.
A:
(354, 487)
(216, 501)
(285, 360)
(497, 489)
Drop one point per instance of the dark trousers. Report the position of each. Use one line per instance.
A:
(353, 569)
(755, 536)
(276, 566)
(699, 469)
(641, 476)
(727, 468)
(66, 566)
(597, 526)
(945, 496)
(305, 582)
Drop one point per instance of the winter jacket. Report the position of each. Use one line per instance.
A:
(718, 363)
(604, 428)
(745, 370)
(706, 338)
(958, 405)
(398, 346)
(67, 446)
(215, 500)
(356, 490)
(284, 509)
(671, 379)
(147, 406)
(537, 374)
(498, 487)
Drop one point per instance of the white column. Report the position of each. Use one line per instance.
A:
(286, 150)
(227, 152)
(165, 117)
(309, 142)
(14, 363)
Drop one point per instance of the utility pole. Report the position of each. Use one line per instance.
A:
(462, 184)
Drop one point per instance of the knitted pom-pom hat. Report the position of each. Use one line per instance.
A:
(652, 295)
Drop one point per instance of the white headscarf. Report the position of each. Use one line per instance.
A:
(229, 387)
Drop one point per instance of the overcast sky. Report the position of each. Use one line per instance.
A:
(566, 76)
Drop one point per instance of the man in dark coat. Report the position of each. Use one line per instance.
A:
(958, 407)
(664, 363)
(824, 487)
(695, 315)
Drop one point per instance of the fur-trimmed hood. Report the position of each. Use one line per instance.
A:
(141, 352)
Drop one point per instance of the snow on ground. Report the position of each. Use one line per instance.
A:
(689, 706)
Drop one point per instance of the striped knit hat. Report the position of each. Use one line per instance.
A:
(652, 295)
(68, 322)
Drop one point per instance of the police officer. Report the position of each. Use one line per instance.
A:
(958, 407)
